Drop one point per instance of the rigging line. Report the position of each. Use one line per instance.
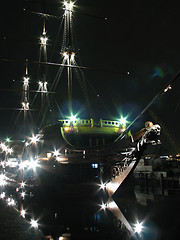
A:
(83, 86)
(16, 109)
(43, 14)
(15, 121)
(57, 77)
(177, 106)
(74, 11)
(38, 77)
(18, 90)
(66, 65)
(54, 84)
(160, 93)
(96, 93)
(59, 108)
(55, 42)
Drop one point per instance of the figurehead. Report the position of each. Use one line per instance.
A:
(148, 125)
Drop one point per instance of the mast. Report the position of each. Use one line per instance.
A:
(43, 75)
(68, 53)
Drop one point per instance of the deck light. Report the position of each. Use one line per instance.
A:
(73, 118)
(138, 227)
(123, 121)
(56, 153)
(103, 186)
(34, 223)
(23, 184)
(8, 139)
(103, 206)
(33, 164)
(2, 195)
(23, 194)
(3, 180)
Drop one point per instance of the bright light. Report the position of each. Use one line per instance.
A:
(112, 186)
(8, 139)
(10, 202)
(68, 6)
(56, 153)
(23, 164)
(112, 205)
(168, 88)
(26, 81)
(3, 180)
(10, 151)
(2, 195)
(34, 223)
(67, 129)
(33, 164)
(73, 118)
(65, 55)
(23, 184)
(103, 186)
(103, 206)
(40, 84)
(43, 40)
(34, 139)
(4, 147)
(49, 155)
(23, 194)
(25, 105)
(123, 121)
(138, 227)
(23, 213)
(72, 56)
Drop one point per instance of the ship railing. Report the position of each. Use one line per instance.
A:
(91, 122)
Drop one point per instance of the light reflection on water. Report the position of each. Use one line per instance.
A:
(78, 213)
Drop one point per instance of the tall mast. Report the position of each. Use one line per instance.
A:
(25, 95)
(68, 54)
(43, 75)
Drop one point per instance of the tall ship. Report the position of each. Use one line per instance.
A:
(71, 153)
(72, 148)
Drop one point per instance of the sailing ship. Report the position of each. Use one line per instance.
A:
(72, 155)
(74, 148)
(82, 150)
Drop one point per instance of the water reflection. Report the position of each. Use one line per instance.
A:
(87, 212)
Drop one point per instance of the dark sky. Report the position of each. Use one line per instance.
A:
(140, 37)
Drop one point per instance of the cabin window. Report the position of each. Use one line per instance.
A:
(105, 122)
(66, 121)
(87, 121)
(82, 121)
(112, 123)
(109, 122)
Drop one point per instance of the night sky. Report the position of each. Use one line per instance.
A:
(112, 38)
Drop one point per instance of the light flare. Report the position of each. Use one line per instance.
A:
(3, 180)
(34, 223)
(138, 227)
(68, 6)
(2, 195)
(23, 213)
